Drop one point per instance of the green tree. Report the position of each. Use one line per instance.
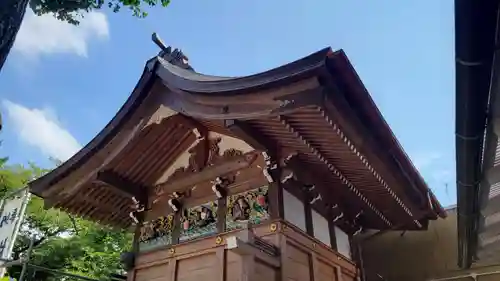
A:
(71, 11)
(62, 242)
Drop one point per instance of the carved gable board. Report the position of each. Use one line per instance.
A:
(206, 151)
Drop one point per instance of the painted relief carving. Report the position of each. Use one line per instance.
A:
(156, 233)
(250, 207)
(199, 221)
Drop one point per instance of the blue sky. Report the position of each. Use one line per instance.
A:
(62, 84)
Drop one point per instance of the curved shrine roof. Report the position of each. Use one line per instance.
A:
(316, 107)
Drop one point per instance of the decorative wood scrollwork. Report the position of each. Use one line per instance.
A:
(204, 154)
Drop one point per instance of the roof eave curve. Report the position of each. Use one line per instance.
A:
(195, 83)
(140, 92)
(360, 99)
(178, 78)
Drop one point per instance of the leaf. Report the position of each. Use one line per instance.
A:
(92, 251)
(72, 11)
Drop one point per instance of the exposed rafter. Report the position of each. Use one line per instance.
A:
(123, 185)
(246, 133)
(333, 169)
(336, 129)
(309, 177)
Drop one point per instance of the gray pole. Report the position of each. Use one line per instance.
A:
(26, 260)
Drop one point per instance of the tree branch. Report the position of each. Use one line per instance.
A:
(38, 242)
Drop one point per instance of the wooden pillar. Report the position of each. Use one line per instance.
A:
(333, 236)
(171, 269)
(313, 267)
(306, 198)
(357, 257)
(136, 244)
(137, 232)
(220, 255)
(275, 196)
(176, 231)
(221, 214)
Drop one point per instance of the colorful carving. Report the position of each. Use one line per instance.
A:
(199, 221)
(156, 233)
(250, 207)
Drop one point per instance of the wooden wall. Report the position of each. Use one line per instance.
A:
(206, 257)
(301, 259)
(421, 255)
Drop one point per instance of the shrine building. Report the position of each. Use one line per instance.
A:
(262, 177)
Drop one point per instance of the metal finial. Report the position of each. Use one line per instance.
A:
(175, 57)
(157, 40)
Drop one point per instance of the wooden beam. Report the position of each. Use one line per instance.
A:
(249, 135)
(123, 185)
(313, 97)
(209, 173)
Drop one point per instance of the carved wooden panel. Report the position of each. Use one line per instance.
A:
(204, 154)
(250, 207)
(156, 233)
(199, 221)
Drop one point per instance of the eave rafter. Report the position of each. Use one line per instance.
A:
(336, 129)
(122, 185)
(246, 133)
(333, 169)
(260, 142)
(335, 206)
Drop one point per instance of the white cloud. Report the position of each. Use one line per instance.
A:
(45, 34)
(41, 129)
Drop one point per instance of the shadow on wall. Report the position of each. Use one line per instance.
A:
(420, 255)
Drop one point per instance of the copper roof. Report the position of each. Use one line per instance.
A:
(315, 107)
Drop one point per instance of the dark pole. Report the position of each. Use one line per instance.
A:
(11, 16)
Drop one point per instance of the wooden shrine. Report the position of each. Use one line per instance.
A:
(263, 177)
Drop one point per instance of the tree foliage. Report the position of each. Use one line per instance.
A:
(72, 10)
(62, 242)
